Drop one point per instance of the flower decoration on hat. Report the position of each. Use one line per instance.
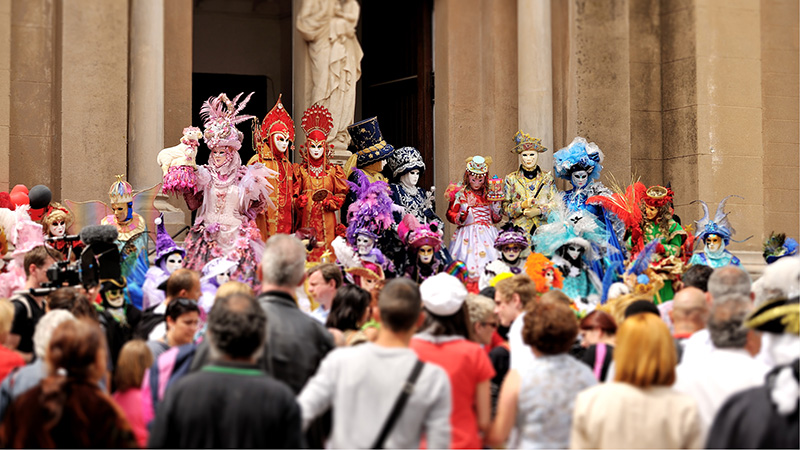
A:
(367, 143)
(317, 123)
(658, 196)
(579, 155)
(478, 165)
(511, 234)
(524, 142)
(220, 116)
(416, 234)
(404, 160)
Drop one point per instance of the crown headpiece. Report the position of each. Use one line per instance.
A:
(277, 120)
(658, 196)
(524, 142)
(317, 123)
(121, 191)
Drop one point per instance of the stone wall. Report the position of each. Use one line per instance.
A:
(779, 95)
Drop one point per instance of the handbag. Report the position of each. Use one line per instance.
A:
(399, 404)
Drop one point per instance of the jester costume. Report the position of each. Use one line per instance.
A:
(529, 186)
(321, 186)
(273, 141)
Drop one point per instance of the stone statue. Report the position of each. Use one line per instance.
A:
(329, 27)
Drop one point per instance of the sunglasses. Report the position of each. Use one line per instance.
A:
(489, 324)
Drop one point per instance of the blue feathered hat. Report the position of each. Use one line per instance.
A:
(719, 224)
(367, 142)
(579, 155)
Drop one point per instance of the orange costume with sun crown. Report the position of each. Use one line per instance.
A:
(276, 129)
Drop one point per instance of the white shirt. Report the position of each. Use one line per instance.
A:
(712, 379)
(521, 354)
(320, 314)
(697, 346)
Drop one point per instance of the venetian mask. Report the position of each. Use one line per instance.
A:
(219, 156)
(120, 212)
(511, 253)
(714, 243)
(410, 179)
(280, 142)
(316, 149)
(425, 254)
(574, 251)
(364, 244)
(580, 178)
(368, 283)
(112, 294)
(476, 182)
(57, 228)
(174, 262)
(650, 212)
(529, 159)
(223, 278)
(549, 276)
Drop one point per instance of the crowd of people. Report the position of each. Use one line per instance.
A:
(407, 365)
(314, 305)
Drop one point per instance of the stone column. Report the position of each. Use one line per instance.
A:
(92, 71)
(5, 91)
(146, 98)
(535, 73)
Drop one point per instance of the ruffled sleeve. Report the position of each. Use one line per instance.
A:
(255, 189)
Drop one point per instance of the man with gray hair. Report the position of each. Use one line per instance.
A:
(20, 381)
(730, 366)
(230, 403)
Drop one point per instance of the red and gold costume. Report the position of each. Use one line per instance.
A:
(321, 187)
(277, 126)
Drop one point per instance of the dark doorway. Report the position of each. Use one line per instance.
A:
(206, 85)
(397, 73)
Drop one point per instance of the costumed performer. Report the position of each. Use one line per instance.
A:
(529, 191)
(169, 258)
(580, 163)
(368, 218)
(25, 234)
(572, 241)
(510, 243)
(229, 196)
(56, 221)
(424, 240)
(543, 272)
(370, 151)
(716, 234)
(475, 216)
(132, 239)
(367, 276)
(321, 185)
(658, 224)
(273, 141)
(214, 274)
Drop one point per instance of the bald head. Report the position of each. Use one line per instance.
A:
(728, 280)
(689, 310)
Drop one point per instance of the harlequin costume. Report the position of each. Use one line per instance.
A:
(528, 188)
(229, 197)
(132, 240)
(321, 186)
(370, 151)
(715, 229)
(277, 125)
(475, 216)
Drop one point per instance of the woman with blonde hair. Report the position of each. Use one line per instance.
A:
(639, 409)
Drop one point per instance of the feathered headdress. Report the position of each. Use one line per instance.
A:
(579, 155)
(777, 246)
(719, 225)
(371, 214)
(220, 116)
(121, 191)
(565, 227)
(415, 234)
(625, 204)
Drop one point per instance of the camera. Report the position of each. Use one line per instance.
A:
(63, 273)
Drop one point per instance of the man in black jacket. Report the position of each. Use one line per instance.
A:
(231, 402)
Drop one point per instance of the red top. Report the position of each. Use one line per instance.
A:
(496, 341)
(9, 359)
(130, 401)
(467, 365)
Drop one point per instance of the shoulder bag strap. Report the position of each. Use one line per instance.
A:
(399, 404)
(599, 359)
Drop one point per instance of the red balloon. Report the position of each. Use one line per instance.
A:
(20, 188)
(19, 198)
